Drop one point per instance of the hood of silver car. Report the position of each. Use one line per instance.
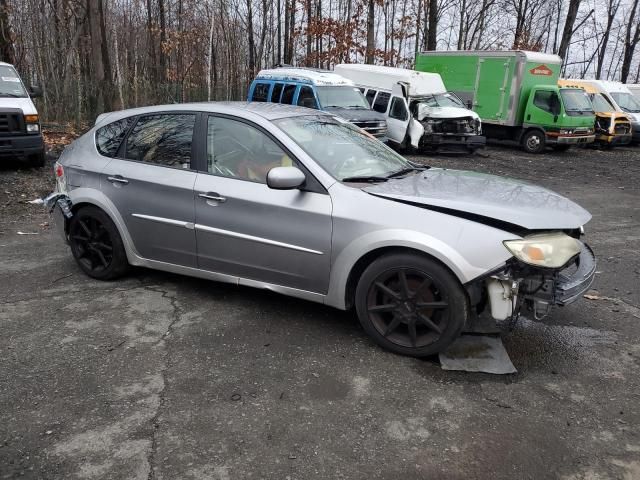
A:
(489, 196)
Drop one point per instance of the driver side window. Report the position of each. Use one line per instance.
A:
(238, 150)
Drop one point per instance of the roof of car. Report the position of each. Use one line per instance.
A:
(312, 76)
(269, 111)
(5, 64)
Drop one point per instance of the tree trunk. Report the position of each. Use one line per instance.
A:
(611, 14)
(309, 38)
(567, 32)
(369, 56)
(433, 25)
(630, 42)
(7, 49)
(252, 42)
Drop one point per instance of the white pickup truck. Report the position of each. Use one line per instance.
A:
(418, 109)
(20, 135)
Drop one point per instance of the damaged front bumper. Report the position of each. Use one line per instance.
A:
(539, 289)
(452, 141)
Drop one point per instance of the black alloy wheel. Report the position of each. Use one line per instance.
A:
(411, 304)
(96, 244)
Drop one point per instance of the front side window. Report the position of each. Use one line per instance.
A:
(340, 148)
(287, 94)
(238, 150)
(261, 92)
(545, 100)
(382, 102)
(600, 103)
(398, 109)
(162, 139)
(342, 97)
(109, 137)
(306, 98)
(10, 84)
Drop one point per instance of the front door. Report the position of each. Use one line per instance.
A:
(398, 114)
(244, 228)
(151, 185)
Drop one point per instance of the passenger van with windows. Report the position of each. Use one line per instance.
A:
(20, 135)
(419, 110)
(321, 90)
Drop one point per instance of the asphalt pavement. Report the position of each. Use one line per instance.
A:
(159, 376)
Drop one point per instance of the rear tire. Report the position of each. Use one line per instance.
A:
(534, 141)
(96, 244)
(410, 304)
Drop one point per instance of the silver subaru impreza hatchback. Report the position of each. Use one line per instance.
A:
(302, 203)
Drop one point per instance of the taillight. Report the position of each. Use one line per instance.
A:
(59, 170)
(60, 180)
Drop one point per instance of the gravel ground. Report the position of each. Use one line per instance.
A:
(158, 376)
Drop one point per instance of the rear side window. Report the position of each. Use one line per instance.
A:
(306, 98)
(109, 137)
(276, 92)
(163, 139)
(371, 94)
(382, 101)
(260, 92)
(287, 94)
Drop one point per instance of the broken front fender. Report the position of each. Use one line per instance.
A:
(416, 130)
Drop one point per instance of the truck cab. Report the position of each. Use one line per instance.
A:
(611, 127)
(420, 112)
(321, 90)
(20, 133)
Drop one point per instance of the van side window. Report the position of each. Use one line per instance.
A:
(109, 137)
(276, 92)
(162, 139)
(398, 109)
(306, 98)
(382, 101)
(287, 94)
(371, 94)
(260, 92)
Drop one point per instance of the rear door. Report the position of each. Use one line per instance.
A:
(151, 185)
(246, 229)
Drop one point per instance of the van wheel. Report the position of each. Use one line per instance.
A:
(534, 141)
(411, 304)
(37, 160)
(96, 244)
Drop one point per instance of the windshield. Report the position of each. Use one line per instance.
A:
(10, 84)
(600, 103)
(343, 97)
(575, 100)
(343, 150)
(626, 101)
(442, 100)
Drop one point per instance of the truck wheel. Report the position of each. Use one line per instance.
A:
(410, 304)
(37, 160)
(534, 141)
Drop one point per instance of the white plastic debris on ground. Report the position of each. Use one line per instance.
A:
(477, 353)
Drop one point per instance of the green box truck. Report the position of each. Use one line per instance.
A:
(517, 96)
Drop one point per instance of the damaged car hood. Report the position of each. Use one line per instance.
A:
(479, 195)
(444, 112)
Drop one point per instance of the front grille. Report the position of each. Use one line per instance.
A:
(11, 123)
(581, 131)
(460, 126)
(376, 128)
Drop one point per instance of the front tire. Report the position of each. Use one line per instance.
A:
(534, 141)
(96, 244)
(411, 304)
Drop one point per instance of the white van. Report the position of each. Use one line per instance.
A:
(419, 110)
(20, 135)
(622, 100)
(635, 89)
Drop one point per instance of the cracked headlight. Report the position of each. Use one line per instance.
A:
(550, 250)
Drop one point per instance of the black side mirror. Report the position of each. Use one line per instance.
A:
(35, 91)
(469, 105)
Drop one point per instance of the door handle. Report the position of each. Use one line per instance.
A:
(118, 179)
(212, 196)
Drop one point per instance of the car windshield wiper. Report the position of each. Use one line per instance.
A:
(404, 171)
(365, 179)
(12, 95)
